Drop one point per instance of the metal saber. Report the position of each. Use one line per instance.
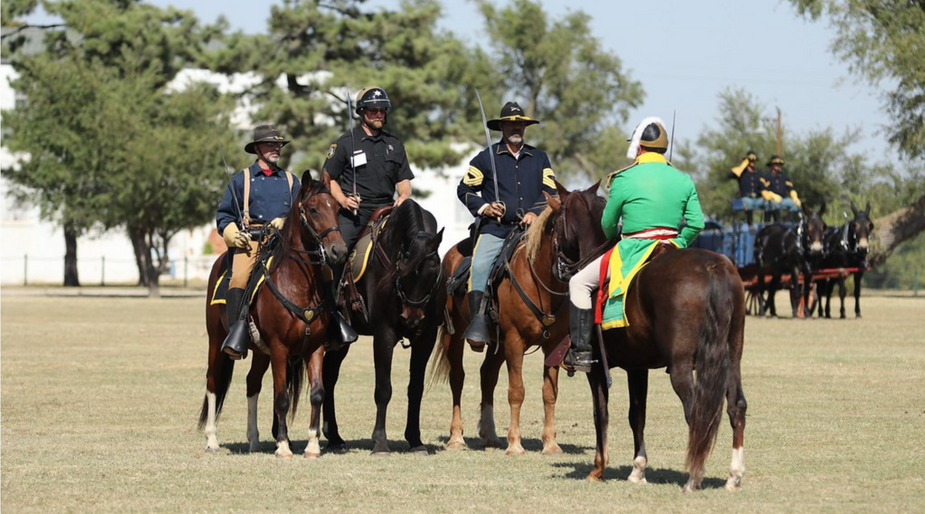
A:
(234, 195)
(491, 153)
(352, 149)
(671, 143)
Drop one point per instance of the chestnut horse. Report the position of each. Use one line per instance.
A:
(538, 268)
(295, 334)
(686, 310)
(401, 288)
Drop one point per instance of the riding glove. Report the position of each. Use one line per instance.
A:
(277, 223)
(234, 238)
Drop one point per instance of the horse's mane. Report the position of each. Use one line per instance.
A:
(534, 235)
(405, 223)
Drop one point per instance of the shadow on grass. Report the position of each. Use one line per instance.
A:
(530, 445)
(656, 476)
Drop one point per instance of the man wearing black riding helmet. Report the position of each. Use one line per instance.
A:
(368, 166)
(259, 195)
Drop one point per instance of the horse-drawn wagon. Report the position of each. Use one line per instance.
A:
(804, 257)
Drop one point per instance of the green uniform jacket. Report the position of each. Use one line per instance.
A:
(649, 194)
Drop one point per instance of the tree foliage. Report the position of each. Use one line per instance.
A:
(883, 41)
(105, 143)
(561, 74)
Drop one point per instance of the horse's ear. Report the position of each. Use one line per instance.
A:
(554, 203)
(437, 240)
(867, 209)
(561, 189)
(306, 176)
(326, 179)
(594, 187)
(822, 208)
(854, 209)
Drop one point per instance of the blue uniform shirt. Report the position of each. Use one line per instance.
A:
(521, 183)
(270, 197)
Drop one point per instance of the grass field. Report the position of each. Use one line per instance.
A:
(100, 399)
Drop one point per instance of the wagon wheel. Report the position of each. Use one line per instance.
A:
(752, 300)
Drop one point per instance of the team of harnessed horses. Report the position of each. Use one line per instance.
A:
(686, 310)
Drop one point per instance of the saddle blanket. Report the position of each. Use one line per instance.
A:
(623, 262)
(220, 292)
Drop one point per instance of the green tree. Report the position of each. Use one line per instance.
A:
(97, 104)
(883, 41)
(324, 51)
(559, 72)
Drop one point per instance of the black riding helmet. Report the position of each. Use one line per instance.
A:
(372, 97)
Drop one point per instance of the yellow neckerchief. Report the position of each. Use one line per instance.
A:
(651, 157)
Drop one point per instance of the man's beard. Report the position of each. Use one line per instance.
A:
(515, 139)
(375, 124)
(271, 158)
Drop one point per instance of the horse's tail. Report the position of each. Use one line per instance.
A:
(712, 363)
(440, 362)
(295, 374)
(222, 381)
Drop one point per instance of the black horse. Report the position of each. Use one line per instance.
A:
(780, 249)
(400, 288)
(846, 247)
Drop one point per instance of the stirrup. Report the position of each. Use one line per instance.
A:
(578, 361)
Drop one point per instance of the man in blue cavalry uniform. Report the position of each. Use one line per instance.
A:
(367, 166)
(750, 186)
(778, 190)
(523, 173)
(260, 194)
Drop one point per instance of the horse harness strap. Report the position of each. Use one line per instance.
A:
(247, 193)
(545, 319)
(306, 314)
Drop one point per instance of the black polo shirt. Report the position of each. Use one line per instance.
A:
(385, 165)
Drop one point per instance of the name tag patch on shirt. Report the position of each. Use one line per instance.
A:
(359, 158)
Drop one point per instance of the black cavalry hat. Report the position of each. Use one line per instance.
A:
(775, 159)
(265, 134)
(511, 112)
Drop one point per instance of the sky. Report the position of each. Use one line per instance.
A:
(685, 54)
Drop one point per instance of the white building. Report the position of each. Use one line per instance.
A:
(32, 250)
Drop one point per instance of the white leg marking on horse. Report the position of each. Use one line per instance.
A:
(736, 469)
(210, 429)
(313, 449)
(638, 475)
(282, 450)
(487, 426)
(253, 435)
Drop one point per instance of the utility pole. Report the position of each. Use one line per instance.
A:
(778, 131)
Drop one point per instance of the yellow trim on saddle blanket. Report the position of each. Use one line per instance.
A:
(360, 267)
(619, 284)
(221, 278)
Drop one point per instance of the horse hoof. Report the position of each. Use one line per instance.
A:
(553, 449)
(210, 449)
(515, 451)
(733, 483)
(493, 443)
(284, 456)
(593, 477)
(381, 453)
(312, 455)
(455, 445)
(419, 450)
(338, 447)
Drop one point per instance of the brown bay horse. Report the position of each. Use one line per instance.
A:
(294, 334)
(402, 288)
(536, 316)
(686, 311)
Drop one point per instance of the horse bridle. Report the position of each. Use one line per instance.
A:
(398, 287)
(316, 236)
(565, 267)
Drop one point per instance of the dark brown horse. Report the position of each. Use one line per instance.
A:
(401, 288)
(295, 333)
(537, 315)
(846, 247)
(686, 310)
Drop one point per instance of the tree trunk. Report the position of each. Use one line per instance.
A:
(71, 278)
(142, 254)
(895, 228)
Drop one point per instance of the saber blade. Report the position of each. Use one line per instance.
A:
(491, 153)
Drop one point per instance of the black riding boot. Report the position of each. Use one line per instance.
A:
(235, 344)
(477, 334)
(581, 321)
(340, 333)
